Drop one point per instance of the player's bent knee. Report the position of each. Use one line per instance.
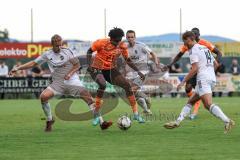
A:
(140, 101)
(44, 97)
(127, 87)
(207, 106)
(102, 86)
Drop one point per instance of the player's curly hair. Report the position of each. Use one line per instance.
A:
(196, 31)
(116, 33)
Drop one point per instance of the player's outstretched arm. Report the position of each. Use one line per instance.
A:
(176, 58)
(216, 65)
(218, 53)
(27, 65)
(133, 66)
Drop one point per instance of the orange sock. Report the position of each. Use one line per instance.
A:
(196, 107)
(189, 94)
(133, 103)
(98, 102)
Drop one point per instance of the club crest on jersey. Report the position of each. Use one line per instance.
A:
(61, 57)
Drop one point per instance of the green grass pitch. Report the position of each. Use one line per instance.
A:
(22, 136)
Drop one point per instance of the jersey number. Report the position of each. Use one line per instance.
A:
(208, 56)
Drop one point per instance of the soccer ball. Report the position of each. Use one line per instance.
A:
(124, 123)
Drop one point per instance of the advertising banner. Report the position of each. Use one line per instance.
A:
(231, 49)
(79, 48)
(154, 84)
(23, 85)
(162, 49)
(22, 50)
(166, 49)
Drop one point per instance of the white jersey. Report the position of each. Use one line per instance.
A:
(3, 71)
(59, 64)
(203, 57)
(139, 54)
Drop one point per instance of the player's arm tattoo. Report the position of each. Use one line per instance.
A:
(191, 73)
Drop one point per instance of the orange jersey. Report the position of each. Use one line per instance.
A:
(203, 42)
(107, 53)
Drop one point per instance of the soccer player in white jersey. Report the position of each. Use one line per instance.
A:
(63, 65)
(203, 63)
(140, 54)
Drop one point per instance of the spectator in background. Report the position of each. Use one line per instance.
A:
(3, 69)
(37, 72)
(220, 70)
(175, 68)
(3, 73)
(20, 73)
(235, 68)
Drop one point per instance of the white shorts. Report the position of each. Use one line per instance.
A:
(73, 88)
(204, 87)
(135, 78)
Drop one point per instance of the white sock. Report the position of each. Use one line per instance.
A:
(185, 111)
(142, 103)
(92, 107)
(101, 119)
(216, 111)
(47, 110)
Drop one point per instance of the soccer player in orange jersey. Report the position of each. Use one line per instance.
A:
(192, 82)
(102, 68)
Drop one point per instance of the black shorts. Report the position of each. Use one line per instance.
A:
(193, 81)
(108, 75)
